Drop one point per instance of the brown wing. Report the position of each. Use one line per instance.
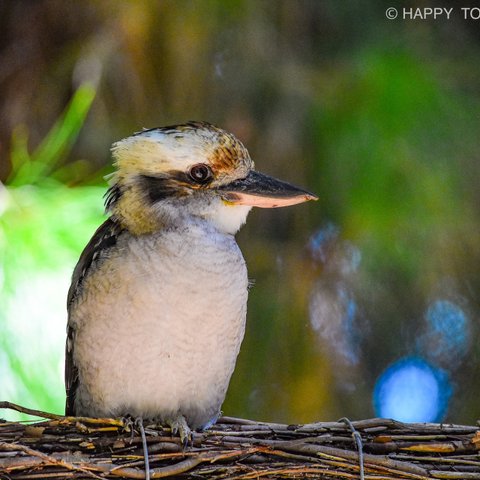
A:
(103, 239)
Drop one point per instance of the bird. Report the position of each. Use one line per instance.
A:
(158, 299)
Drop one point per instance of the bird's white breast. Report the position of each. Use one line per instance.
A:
(159, 325)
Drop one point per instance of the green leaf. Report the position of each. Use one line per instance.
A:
(56, 145)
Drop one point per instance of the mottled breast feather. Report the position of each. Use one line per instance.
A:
(103, 239)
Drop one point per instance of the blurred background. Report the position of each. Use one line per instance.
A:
(366, 302)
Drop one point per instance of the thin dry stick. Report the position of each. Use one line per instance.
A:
(139, 422)
(358, 441)
(47, 458)
(53, 416)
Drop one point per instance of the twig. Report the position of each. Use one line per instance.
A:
(54, 416)
(30, 411)
(47, 458)
(358, 441)
(139, 422)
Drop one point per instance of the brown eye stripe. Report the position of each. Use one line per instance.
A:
(158, 188)
(163, 186)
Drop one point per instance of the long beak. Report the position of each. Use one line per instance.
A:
(259, 190)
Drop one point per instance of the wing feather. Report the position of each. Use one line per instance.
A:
(103, 239)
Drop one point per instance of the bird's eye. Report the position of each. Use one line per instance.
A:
(201, 173)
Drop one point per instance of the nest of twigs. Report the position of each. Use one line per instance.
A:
(380, 449)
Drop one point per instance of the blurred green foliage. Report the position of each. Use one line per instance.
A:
(378, 117)
(43, 226)
(399, 139)
(396, 158)
(31, 169)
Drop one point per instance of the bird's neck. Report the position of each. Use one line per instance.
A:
(135, 214)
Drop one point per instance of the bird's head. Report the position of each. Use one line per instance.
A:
(191, 170)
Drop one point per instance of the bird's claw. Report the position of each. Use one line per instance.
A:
(129, 426)
(179, 426)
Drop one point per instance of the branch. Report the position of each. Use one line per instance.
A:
(380, 449)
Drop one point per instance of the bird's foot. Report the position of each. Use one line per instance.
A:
(128, 426)
(179, 425)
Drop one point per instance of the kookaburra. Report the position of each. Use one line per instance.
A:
(158, 300)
